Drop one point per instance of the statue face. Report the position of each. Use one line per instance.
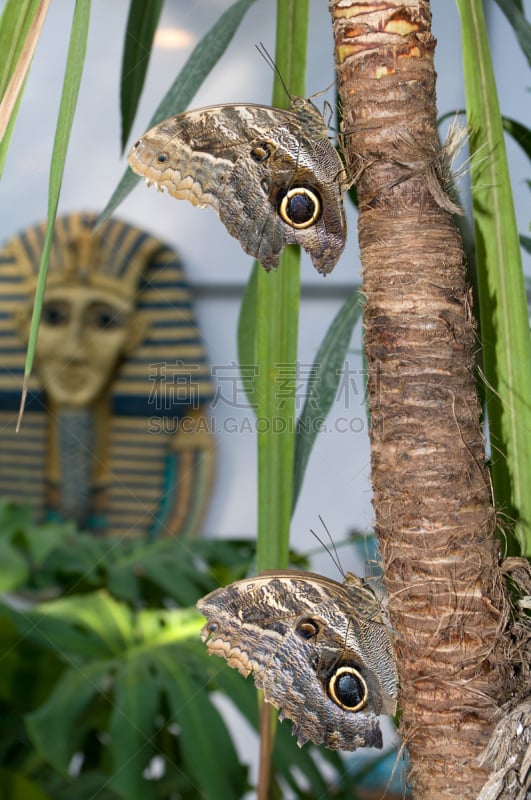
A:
(83, 332)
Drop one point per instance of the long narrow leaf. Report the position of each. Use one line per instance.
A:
(520, 133)
(247, 336)
(325, 377)
(141, 26)
(20, 27)
(72, 81)
(203, 58)
(506, 345)
(277, 312)
(521, 27)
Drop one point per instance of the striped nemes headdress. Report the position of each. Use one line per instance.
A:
(159, 483)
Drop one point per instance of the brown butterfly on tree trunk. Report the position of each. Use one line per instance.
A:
(318, 649)
(272, 175)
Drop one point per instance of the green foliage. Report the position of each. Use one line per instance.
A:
(276, 312)
(513, 10)
(106, 689)
(506, 345)
(141, 26)
(16, 23)
(203, 58)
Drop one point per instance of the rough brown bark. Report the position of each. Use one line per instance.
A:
(432, 500)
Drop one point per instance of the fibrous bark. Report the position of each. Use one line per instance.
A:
(432, 500)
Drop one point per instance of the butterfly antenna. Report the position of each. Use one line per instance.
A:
(270, 61)
(332, 551)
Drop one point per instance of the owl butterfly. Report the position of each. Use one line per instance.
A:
(273, 176)
(317, 648)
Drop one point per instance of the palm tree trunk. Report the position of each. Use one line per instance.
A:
(432, 501)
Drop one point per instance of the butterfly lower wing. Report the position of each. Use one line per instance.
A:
(255, 625)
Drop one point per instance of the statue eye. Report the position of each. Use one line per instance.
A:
(300, 207)
(348, 689)
(55, 313)
(307, 628)
(103, 317)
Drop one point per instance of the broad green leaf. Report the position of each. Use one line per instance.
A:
(72, 80)
(146, 571)
(525, 241)
(14, 518)
(13, 567)
(169, 564)
(141, 26)
(123, 690)
(54, 728)
(322, 386)
(86, 626)
(28, 673)
(41, 540)
(522, 29)
(203, 58)
(203, 733)
(133, 724)
(506, 344)
(16, 786)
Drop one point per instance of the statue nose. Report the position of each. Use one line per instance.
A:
(74, 340)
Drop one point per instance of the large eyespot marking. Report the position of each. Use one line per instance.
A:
(307, 628)
(261, 151)
(300, 207)
(162, 158)
(348, 689)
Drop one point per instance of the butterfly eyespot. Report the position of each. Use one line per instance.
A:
(162, 158)
(261, 152)
(300, 207)
(307, 628)
(348, 689)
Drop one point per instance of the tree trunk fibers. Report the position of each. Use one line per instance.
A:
(432, 501)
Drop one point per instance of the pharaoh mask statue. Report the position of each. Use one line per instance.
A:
(114, 434)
